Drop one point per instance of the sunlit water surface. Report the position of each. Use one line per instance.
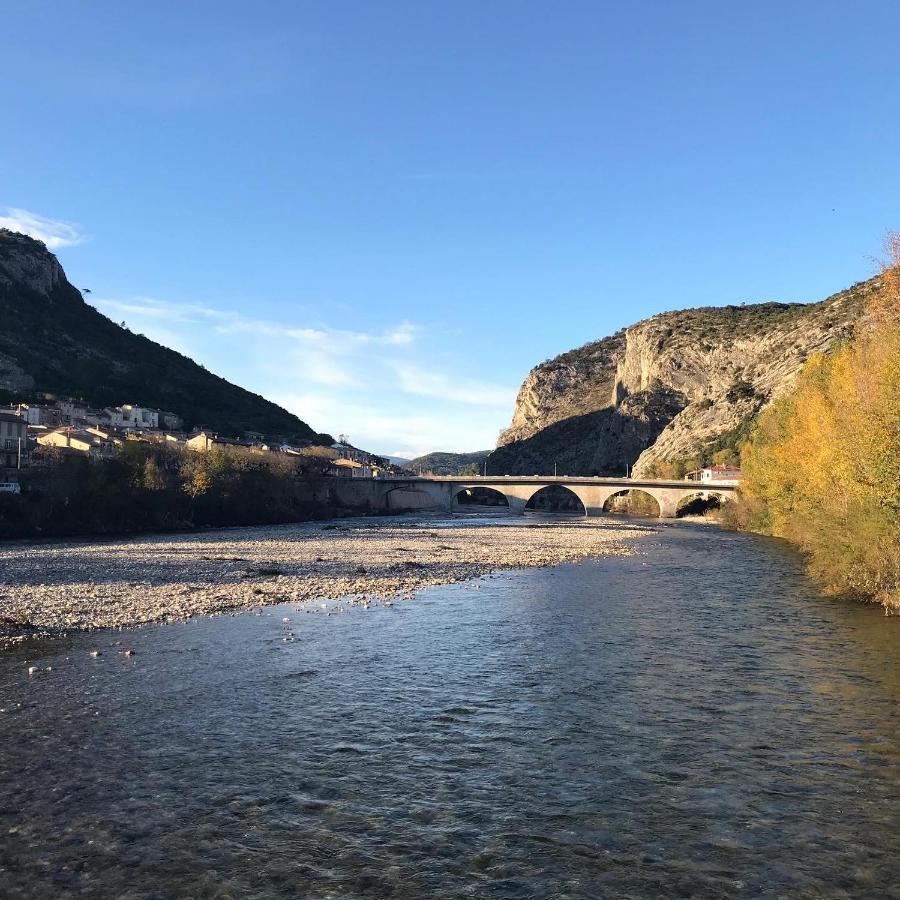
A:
(690, 721)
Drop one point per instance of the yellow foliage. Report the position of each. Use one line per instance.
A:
(822, 467)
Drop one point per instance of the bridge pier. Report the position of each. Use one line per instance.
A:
(516, 504)
(668, 503)
(592, 497)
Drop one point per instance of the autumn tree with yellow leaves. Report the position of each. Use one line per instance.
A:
(822, 467)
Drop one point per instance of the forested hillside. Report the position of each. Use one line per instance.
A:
(52, 341)
(448, 463)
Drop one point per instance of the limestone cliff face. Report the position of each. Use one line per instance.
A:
(572, 384)
(668, 387)
(23, 265)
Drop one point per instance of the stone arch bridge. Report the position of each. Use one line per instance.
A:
(440, 492)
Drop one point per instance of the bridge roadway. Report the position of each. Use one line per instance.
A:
(440, 491)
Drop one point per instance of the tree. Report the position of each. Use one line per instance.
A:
(822, 467)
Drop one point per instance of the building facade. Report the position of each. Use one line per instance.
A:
(13, 440)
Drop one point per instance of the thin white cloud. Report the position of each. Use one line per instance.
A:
(225, 322)
(380, 386)
(142, 307)
(321, 369)
(53, 232)
(414, 380)
(404, 333)
(405, 434)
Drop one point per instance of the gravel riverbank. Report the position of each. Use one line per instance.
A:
(102, 584)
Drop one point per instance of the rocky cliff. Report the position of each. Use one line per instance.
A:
(51, 341)
(669, 388)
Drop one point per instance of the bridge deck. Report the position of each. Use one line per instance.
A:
(601, 481)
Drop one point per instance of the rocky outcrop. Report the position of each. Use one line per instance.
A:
(26, 263)
(667, 388)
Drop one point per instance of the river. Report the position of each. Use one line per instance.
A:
(690, 721)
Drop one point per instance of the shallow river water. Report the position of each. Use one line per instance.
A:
(693, 720)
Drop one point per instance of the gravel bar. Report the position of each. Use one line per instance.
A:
(60, 586)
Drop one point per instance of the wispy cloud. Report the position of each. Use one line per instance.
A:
(227, 322)
(412, 379)
(385, 387)
(53, 232)
(396, 431)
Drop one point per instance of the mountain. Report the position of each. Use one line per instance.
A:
(53, 342)
(446, 463)
(673, 387)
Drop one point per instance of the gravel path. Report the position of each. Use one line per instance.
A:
(90, 584)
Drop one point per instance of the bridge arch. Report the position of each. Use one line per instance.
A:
(700, 502)
(635, 502)
(478, 497)
(556, 498)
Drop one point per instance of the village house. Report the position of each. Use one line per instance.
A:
(721, 474)
(72, 412)
(97, 417)
(105, 433)
(13, 440)
(129, 416)
(56, 413)
(34, 414)
(205, 441)
(345, 450)
(77, 440)
(350, 468)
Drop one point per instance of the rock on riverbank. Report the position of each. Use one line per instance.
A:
(85, 585)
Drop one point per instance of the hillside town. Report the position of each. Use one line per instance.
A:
(42, 434)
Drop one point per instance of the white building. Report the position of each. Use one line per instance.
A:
(129, 416)
(721, 474)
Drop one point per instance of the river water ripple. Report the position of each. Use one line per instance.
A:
(690, 721)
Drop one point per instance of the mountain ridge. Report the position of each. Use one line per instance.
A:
(54, 342)
(676, 385)
(441, 463)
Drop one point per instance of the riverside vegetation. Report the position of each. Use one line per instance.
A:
(822, 466)
(151, 487)
(821, 463)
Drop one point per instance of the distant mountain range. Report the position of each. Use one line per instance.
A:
(446, 463)
(51, 341)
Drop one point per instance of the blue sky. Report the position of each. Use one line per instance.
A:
(382, 215)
